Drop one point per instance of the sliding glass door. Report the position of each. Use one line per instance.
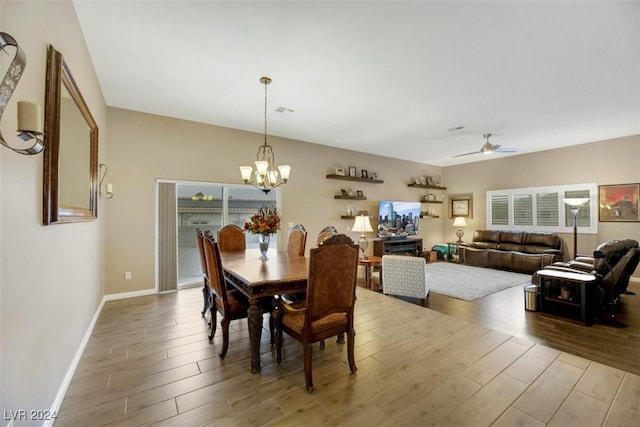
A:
(210, 207)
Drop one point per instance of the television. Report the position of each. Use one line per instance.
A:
(397, 218)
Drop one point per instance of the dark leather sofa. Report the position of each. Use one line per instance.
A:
(519, 251)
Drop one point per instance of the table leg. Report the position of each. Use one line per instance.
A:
(254, 319)
(367, 276)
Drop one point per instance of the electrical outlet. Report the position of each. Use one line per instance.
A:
(127, 275)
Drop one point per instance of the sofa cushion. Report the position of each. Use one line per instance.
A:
(486, 236)
(502, 260)
(514, 237)
(548, 240)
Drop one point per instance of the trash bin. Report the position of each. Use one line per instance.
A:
(531, 297)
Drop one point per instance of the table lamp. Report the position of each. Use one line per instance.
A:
(575, 203)
(459, 222)
(363, 225)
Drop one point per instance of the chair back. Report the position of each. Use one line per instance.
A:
(231, 238)
(325, 233)
(331, 286)
(405, 276)
(297, 240)
(215, 273)
(620, 261)
(203, 262)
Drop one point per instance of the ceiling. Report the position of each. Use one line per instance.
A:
(390, 78)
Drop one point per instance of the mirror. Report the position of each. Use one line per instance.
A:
(71, 149)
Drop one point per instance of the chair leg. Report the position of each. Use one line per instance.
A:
(225, 337)
(340, 338)
(350, 349)
(278, 345)
(308, 362)
(205, 296)
(272, 325)
(213, 320)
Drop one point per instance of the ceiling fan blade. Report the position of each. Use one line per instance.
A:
(506, 150)
(466, 154)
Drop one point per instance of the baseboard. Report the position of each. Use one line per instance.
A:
(126, 295)
(634, 279)
(55, 408)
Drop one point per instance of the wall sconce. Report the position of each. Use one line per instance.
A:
(29, 114)
(108, 194)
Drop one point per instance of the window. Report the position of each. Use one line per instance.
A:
(542, 208)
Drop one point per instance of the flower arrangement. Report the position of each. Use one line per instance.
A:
(265, 222)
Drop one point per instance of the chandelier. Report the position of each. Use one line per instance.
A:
(265, 177)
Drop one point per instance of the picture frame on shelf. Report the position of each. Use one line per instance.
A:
(344, 192)
(429, 180)
(359, 193)
(374, 175)
(431, 197)
(461, 205)
(339, 171)
(352, 171)
(423, 180)
(350, 192)
(619, 202)
(364, 173)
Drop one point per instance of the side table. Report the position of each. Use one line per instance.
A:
(452, 256)
(368, 264)
(567, 294)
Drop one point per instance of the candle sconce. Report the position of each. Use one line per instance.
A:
(108, 193)
(29, 113)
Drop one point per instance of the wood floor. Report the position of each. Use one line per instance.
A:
(149, 362)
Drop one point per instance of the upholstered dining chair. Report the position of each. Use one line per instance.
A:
(203, 264)
(230, 303)
(405, 276)
(297, 240)
(231, 238)
(329, 306)
(325, 233)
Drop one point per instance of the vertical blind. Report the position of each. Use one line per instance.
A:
(167, 237)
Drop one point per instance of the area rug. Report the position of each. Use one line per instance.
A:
(470, 283)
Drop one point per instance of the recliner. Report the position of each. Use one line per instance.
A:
(613, 264)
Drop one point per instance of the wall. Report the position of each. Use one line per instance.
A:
(614, 161)
(51, 278)
(144, 148)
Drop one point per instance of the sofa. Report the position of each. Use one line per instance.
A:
(518, 251)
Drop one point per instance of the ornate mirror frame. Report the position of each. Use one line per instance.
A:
(54, 210)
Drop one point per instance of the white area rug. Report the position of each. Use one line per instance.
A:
(469, 283)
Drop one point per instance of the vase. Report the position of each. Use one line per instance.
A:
(263, 242)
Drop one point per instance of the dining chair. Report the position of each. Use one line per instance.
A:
(203, 265)
(297, 240)
(231, 238)
(325, 233)
(329, 306)
(230, 303)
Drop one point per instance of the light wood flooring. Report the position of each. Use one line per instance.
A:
(149, 362)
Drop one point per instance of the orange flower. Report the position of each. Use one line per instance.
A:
(266, 221)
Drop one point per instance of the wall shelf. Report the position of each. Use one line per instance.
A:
(439, 202)
(347, 217)
(350, 197)
(430, 187)
(354, 178)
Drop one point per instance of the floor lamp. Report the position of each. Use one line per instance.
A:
(575, 204)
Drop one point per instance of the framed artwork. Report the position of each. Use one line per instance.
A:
(344, 192)
(350, 192)
(431, 197)
(352, 171)
(429, 180)
(618, 203)
(340, 171)
(461, 205)
(364, 173)
(359, 193)
(374, 175)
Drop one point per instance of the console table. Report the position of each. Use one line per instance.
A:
(405, 246)
(567, 294)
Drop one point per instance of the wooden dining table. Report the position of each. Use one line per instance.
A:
(281, 274)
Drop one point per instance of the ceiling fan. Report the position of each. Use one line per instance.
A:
(489, 148)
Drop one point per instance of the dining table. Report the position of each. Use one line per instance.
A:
(281, 274)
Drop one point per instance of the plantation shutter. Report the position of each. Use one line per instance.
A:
(500, 210)
(523, 209)
(547, 209)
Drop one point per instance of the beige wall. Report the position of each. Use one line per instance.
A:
(614, 161)
(51, 278)
(144, 148)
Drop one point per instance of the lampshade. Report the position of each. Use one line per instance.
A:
(459, 222)
(362, 224)
(576, 202)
